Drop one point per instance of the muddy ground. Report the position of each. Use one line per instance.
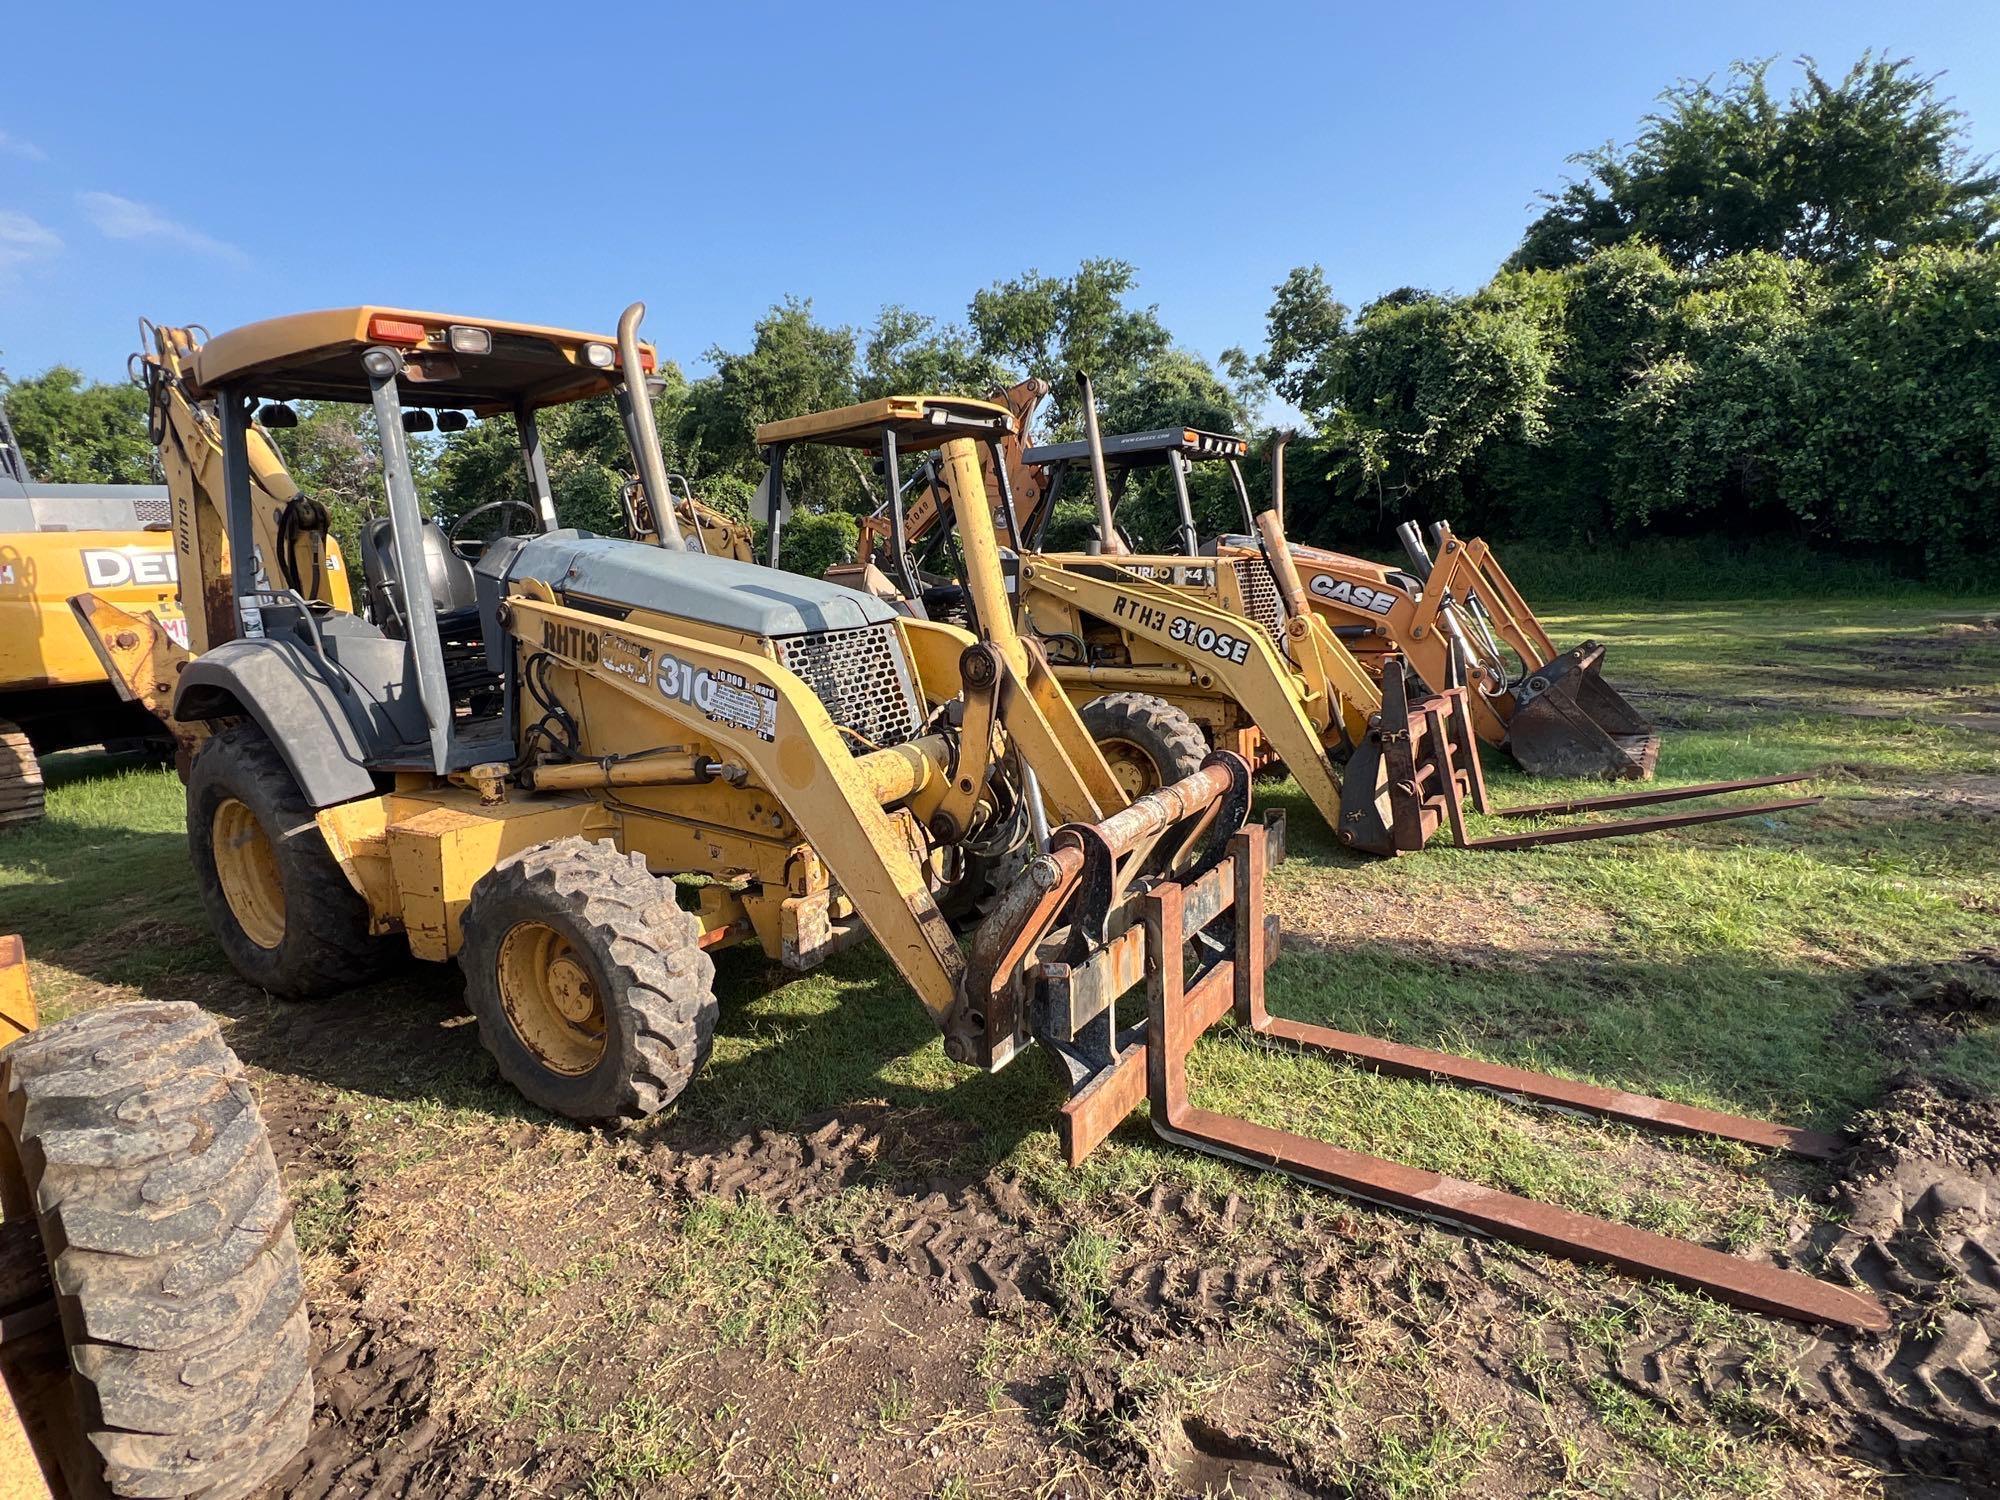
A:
(969, 1335)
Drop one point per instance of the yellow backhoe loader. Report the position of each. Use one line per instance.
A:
(1456, 617)
(153, 1335)
(1167, 653)
(623, 757)
(55, 541)
(142, 645)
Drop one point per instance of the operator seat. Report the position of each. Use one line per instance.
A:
(450, 577)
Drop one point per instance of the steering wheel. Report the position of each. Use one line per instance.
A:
(460, 544)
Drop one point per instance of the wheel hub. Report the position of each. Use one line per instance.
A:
(1131, 768)
(246, 867)
(570, 987)
(551, 998)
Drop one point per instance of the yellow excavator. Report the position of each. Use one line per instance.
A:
(620, 758)
(56, 540)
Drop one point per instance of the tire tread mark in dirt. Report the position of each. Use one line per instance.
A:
(1917, 1221)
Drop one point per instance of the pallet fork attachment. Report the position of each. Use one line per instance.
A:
(1419, 768)
(1220, 919)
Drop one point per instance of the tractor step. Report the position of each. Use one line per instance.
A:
(1233, 936)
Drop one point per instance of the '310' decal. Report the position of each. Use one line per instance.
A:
(1206, 638)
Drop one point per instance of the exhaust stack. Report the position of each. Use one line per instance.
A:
(644, 433)
(1107, 532)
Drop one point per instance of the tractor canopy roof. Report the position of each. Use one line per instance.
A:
(485, 364)
(918, 422)
(1140, 450)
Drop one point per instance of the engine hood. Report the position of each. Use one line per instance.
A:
(692, 585)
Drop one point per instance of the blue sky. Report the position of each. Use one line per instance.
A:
(552, 162)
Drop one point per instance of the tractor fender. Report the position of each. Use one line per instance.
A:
(278, 686)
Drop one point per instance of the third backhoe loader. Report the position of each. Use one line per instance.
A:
(622, 757)
(1455, 617)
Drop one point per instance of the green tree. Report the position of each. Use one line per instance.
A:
(1052, 326)
(1839, 169)
(1406, 394)
(794, 365)
(74, 431)
(1897, 438)
(910, 353)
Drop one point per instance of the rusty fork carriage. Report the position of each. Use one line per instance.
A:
(1203, 945)
(1429, 770)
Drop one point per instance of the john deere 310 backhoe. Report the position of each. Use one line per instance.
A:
(580, 765)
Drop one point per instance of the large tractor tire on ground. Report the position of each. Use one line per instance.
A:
(588, 980)
(20, 776)
(169, 1241)
(280, 906)
(1146, 742)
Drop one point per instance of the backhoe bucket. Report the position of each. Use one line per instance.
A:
(1568, 723)
(1206, 945)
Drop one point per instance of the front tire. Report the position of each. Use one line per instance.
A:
(1147, 742)
(280, 906)
(588, 980)
(169, 1241)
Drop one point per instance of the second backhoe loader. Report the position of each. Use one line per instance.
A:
(1222, 931)
(622, 757)
(1167, 652)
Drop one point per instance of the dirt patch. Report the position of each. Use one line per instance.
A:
(373, 1431)
(1916, 1220)
(1920, 1009)
(1489, 927)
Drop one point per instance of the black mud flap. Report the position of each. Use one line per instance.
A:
(1571, 723)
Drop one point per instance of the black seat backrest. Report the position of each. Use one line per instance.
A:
(450, 575)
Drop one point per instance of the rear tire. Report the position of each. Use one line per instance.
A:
(1148, 743)
(276, 897)
(20, 776)
(589, 981)
(169, 1241)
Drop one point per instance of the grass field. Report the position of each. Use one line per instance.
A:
(844, 1265)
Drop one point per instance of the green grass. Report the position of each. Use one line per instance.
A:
(1718, 965)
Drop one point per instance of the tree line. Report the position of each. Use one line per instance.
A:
(1763, 316)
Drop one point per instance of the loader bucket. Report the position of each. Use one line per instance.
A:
(1570, 723)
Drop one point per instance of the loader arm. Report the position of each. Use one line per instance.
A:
(1208, 642)
(765, 718)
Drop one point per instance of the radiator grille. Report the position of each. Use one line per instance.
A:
(861, 678)
(1260, 596)
(153, 512)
